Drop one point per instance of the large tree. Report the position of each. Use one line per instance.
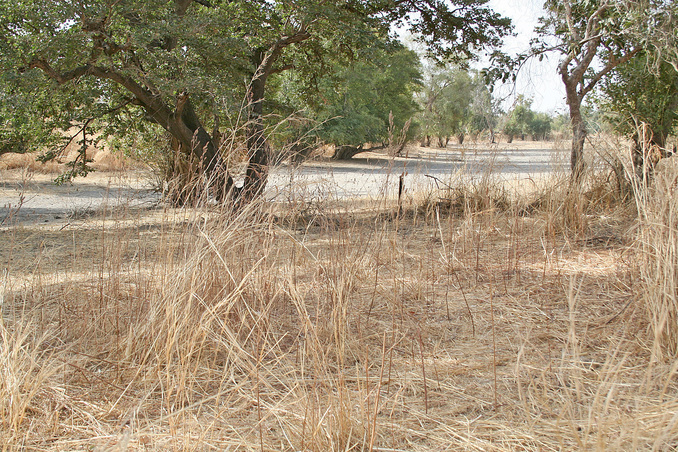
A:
(177, 60)
(641, 100)
(592, 38)
(641, 93)
(361, 102)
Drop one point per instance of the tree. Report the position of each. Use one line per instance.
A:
(592, 37)
(445, 102)
(642, 102)
(540, 126)
(519, 119)
(484, 109)
(176, 61)
(639, 94)
(358, 102)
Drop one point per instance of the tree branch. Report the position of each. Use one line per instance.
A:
(613, 63)
(60, 78)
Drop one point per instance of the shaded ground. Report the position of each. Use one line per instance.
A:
(34, 198)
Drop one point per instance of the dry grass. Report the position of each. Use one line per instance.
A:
(482, 322)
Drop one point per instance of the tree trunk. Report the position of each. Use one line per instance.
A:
(460, 138)
(258, 148)
(346, 152)
(579, 133)
(186, 127)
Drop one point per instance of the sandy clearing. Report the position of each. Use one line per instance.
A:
(32, 198)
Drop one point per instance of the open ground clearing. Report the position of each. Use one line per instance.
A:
(30, 196)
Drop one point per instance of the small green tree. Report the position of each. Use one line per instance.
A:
(642, 103)
(540, 126)
(445, 102)
(519, 119)
(638, 94)
(484, 109)
(367, 98)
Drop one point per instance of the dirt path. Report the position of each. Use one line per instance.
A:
(375, 175)
(32, 198)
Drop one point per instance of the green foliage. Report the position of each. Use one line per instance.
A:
(540, 126)
(639, 94)
(484, 109)
(357, 99)
(445, 101)
(351, 105)
(519, 119)
(113, 64)
(458, 29)
(523, 121)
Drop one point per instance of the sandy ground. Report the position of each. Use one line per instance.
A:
(376, 175)
(29, 198)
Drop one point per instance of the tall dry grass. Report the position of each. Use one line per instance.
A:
(475, 319)
(657, 207)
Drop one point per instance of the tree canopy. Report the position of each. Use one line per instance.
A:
(638, 94)
(183, 63)
(358, 102)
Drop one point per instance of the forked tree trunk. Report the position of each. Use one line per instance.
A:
(460, 138)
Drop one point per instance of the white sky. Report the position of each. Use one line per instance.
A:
(537, 80)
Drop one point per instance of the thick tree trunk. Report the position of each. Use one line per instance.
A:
(460, 138)
(346, 152)
(185, 126)
(258, 148)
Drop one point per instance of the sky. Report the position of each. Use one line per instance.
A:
(537, 80)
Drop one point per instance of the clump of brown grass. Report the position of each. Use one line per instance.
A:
(657, 207)
(12, 161)
(28, 364)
